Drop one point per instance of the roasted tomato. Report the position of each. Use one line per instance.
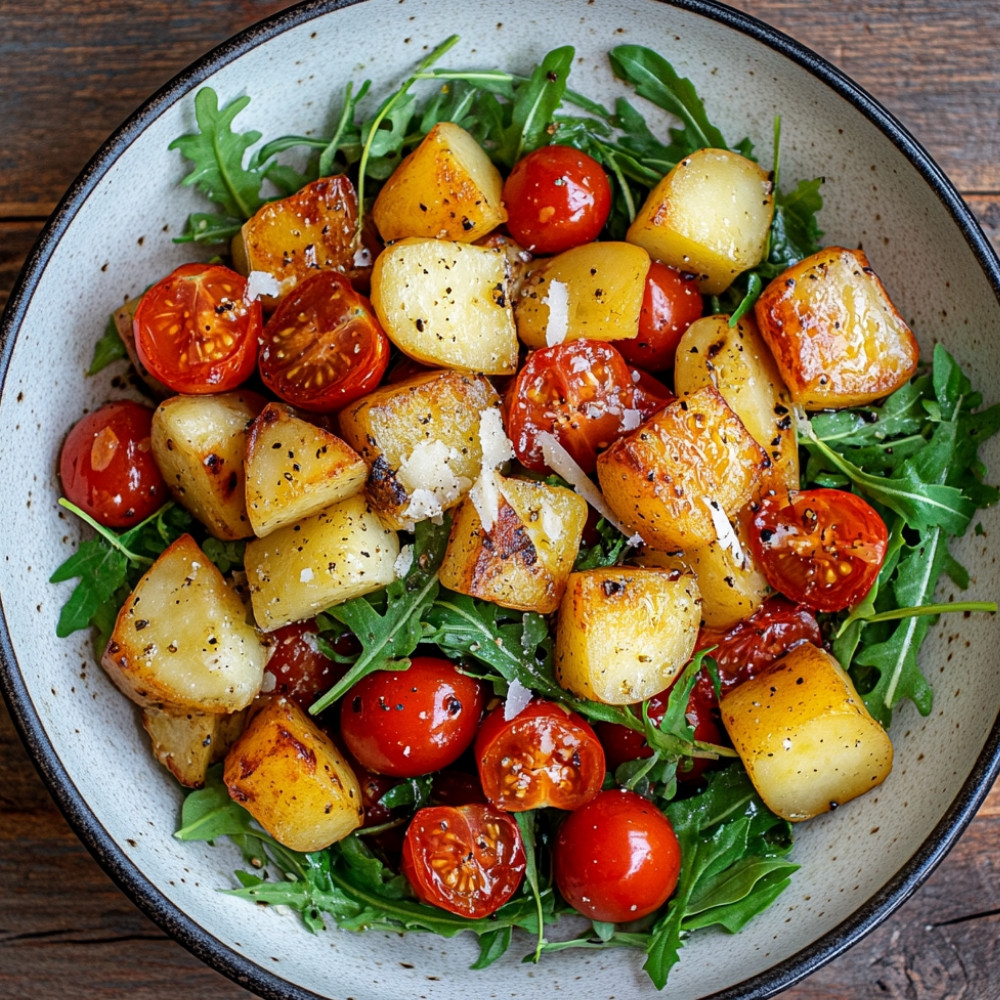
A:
(466, 859)
(544, 756)
(581, 392)
(411, 722)
(670, 304)
(820, 547)
(616, 858)
(296, 667)
(196, 332)
(323, 347)
(107, 468)
(556, 198)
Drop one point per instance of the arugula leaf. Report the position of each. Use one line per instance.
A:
(108, 349)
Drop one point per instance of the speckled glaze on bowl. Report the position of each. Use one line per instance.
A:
(111, 236)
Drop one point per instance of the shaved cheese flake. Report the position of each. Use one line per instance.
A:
(485, 497)
(631, 419)
(261, 283)
(493, 440)
(557, 325)
(427, 476)
(403, 561)
(724, 530)
(518, 699)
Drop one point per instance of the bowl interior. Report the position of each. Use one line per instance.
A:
(114, 236)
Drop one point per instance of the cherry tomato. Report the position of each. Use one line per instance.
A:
(296, 667)
(746, 648)
(466, 859)
(616, 858)
(544, 756)
(556, 198)
(107, 468)
(323, 347)
(196, 332)
(820, 547)
(670, 304)
(581, 392)
(411, 722)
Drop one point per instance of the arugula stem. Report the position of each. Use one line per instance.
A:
(109, 536)
(898, 614)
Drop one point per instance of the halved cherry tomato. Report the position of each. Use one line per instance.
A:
(107, 468)
(670, 304)
(581, 392)
(323, 347)
(196, 332)
(556, 198)
(544, 756)
(616, 858)
(468, 860)
(411, 722)
(820, 547)
(296, 667)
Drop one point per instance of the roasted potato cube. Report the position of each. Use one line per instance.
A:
(446, 189)
(183, 640)
(199, 443)
(710, 215)
(330, 557)
(592, 291)
(291, 238)
(290, 776)
(420, 438)
(624, 632)
(294, 469)
(837, 338)
(514, 542)
(678, 477)
(446, 303)
(804, 735)
(188, 743)
(737, 361)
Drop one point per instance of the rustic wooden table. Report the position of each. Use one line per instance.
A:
(70, 72)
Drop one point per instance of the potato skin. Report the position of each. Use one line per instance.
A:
(837, 338)
(804, 735)
(188, 743)
(290, 776)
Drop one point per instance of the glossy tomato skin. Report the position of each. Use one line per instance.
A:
(616, 858)
(556, 198)
(466, 859)
(544, 756)
(107, 468)
(670, 304)
(410, 722)
(821, 547)
(323, 347)
(296, 667)
(581, 392)
(196, 332)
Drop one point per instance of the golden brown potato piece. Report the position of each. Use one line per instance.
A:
(183, 640)
(837, 338)
(420, 438)
(294, 469)
(289, 239)
(446, 189)
(199, 443)
(624, 632)
(446, 303)
(678, 477)
(710, 215)
(804, 735)
(593, 291)
(290, 776)
(514, 542)
(188, 743)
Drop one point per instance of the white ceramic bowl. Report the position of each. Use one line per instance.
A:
(111, 236)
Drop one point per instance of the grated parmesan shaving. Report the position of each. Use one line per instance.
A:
(261, 283)
(485, 497)
(428, 478)
(518, 698)
(403, 561)
(557, 325)
(493, 440)
(724, 530)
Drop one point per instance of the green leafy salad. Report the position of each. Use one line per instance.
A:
(912, 457)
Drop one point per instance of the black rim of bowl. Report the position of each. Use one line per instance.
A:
(87, 826)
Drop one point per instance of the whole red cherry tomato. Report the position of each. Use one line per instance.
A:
(616, 858)
(411, 722)
(544, 756)
(556, 198)
(466, 859)
(107, 468)
(196, 332)
(820, 547)
(581, 392)
(323, 346)
(296, 667)
(670, 304)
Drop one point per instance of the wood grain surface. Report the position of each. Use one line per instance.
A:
(71, 71)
